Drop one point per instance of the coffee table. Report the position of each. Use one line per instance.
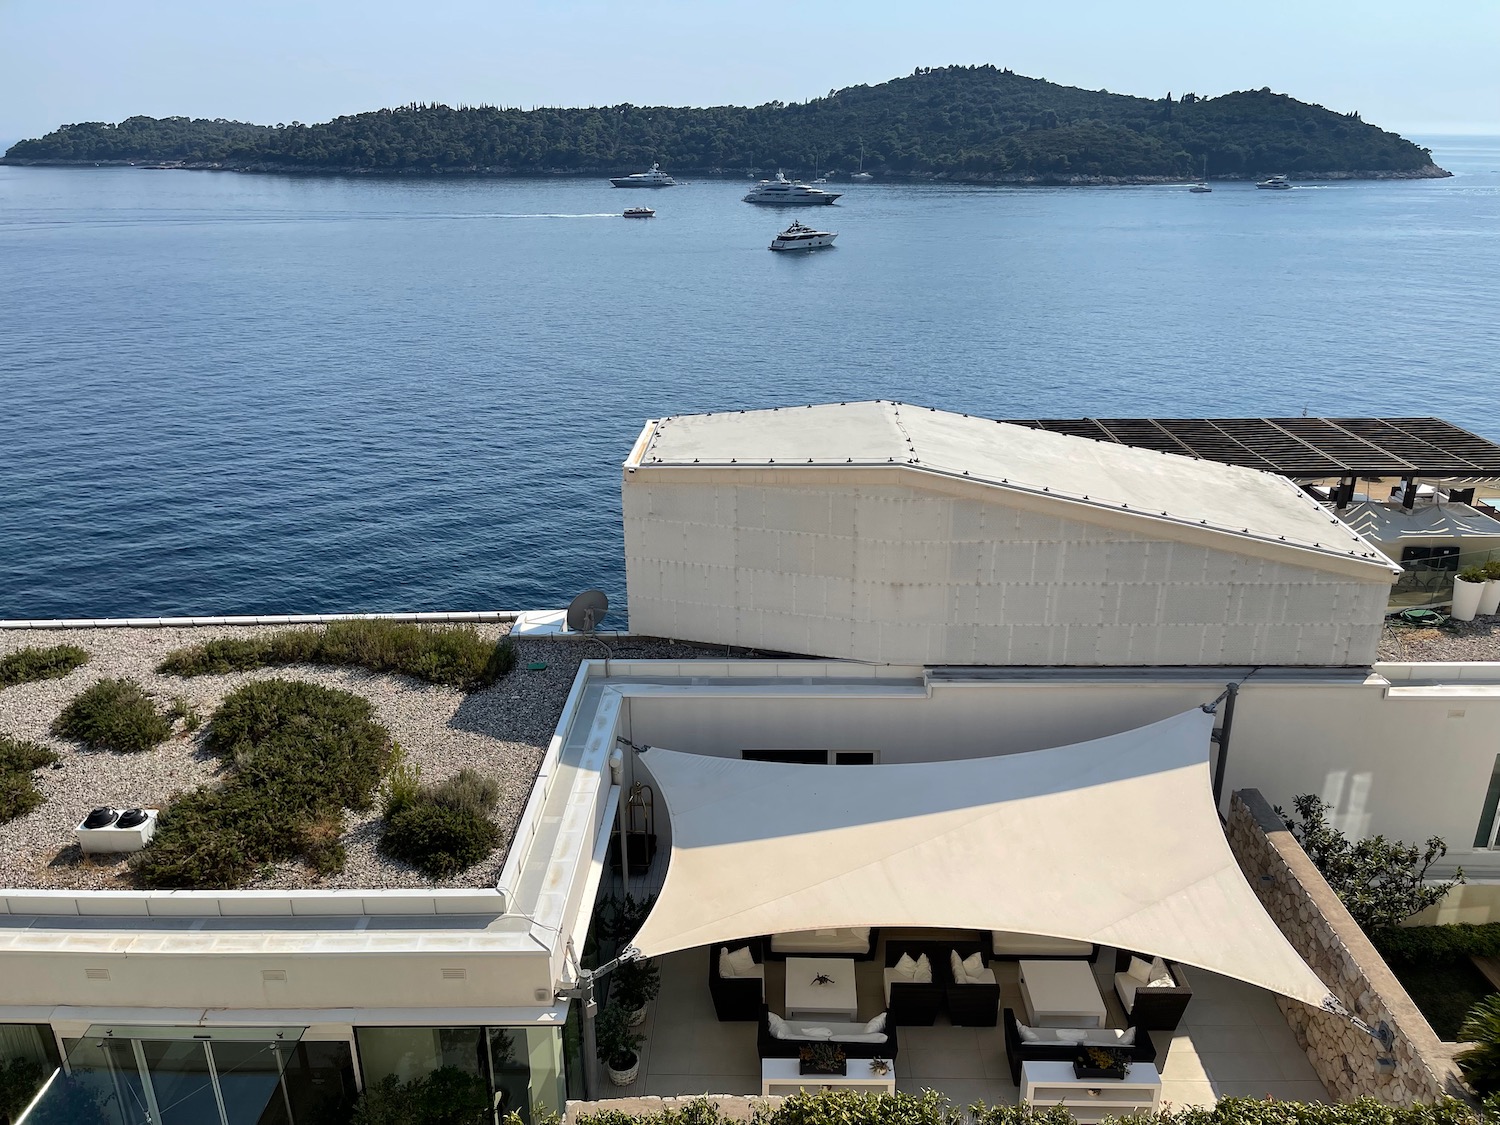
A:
(805, 999)
(1091, 1100)
(783, 1076)
(1061, 994)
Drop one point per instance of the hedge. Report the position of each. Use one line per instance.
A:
(1438, 944)
(848, 1107)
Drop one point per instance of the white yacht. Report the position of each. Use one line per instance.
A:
(654, 178)
(799, 237)
(1275, 183)
(787, 192)
(862, 176)
(1200, 187)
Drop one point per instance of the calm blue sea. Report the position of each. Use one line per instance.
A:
(262, 394)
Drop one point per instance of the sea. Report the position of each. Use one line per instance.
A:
(264, 394)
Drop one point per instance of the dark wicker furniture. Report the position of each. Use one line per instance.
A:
(971, 1005)
(1018, 1051)
(736, 998)
(1159, 1009)
(770, 1047)
(917, 1005)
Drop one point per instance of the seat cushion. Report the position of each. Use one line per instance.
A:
(1125, 986)
(742, 961)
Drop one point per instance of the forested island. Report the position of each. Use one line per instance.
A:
(975, 124)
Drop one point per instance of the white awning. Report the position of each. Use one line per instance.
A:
(1115, 841)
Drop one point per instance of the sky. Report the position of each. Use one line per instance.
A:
(1416, 68)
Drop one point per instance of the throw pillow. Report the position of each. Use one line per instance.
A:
(923, 975)
(743, 962)
(861, 932)
(906, 968)
(817, 1033)
(1140, 970)
(1071, 1034)
(726, 964)
(876, 1025)
(779, 1028)
(1161, 976)
(1127, 1037)
(973, 966)
(956, 963)
(1028, 1034)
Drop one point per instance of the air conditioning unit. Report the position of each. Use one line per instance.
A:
(107, 830)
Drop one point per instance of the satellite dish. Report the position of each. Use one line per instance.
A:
(586, 613)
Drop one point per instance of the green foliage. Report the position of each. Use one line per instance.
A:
(1381, 882)
(113, 715)
(1481, 1062)
(635, 984)
(615, 1041)
(958, 122)
(452, 655)
(1438, 944)
(447, 1096)
(852, 1107)
(20, 1079)
(1445, 992)
(180, 708)
(27, 665)
(300, 754)
(18, 791)
(1473, 574)
(442, 829)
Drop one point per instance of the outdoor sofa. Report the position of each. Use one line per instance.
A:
(1157, 1008)
(741, 997)
(1048, 1047)
(857, 942)
(1007, 945)
(852, 1037)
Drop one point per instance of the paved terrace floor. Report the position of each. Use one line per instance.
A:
(1232, 1042)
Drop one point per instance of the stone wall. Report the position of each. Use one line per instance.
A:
(1417, 1067)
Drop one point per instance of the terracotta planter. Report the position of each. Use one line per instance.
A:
(1489, 600)
(627, 1076)
(1466, 597)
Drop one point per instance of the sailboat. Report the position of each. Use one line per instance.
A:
(861, 175)
(1202, 185)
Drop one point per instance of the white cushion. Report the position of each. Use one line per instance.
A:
(1127, 1037)
(905, 968)
(923, 975)
(1140, 969)
(825, 933)
(1125, 986)
(861, 1037)
(1008, 943)
(1028, 1034)
(876, 1025)
(726, 966)
(956, 965)
(974, 969)
(816, 1033)
(861, 932)
(780, 1029)
(1071, 1034)
(1161, 976)
(742, 961)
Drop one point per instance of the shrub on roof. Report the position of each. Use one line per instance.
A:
(113, 715)
(18, 791)
(300, 754)
(29, 664)
(438, 654)
(441, 829)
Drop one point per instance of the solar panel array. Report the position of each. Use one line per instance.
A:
(1301, 447)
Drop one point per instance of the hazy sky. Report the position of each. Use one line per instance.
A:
(1410, 66)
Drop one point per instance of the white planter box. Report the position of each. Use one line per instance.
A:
(100, 841)
(1489, 600)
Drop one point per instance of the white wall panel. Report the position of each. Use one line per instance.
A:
(894, 573)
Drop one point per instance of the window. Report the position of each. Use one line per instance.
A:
(1485, 837)
(509, 1069)
(812, 757)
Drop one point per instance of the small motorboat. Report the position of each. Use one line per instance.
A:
(1199, 188)
(799, 237)
(638, 213)
(1275, 183)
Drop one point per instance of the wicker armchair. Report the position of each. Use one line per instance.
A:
(971, 1004)
(737, 998)
(911, 1004)
(1160, 1009)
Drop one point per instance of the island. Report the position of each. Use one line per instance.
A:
(976, 124)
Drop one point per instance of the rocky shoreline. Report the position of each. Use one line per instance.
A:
(1008, 179)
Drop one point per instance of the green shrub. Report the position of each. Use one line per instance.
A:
(184, 710)
(18, 791)
(438, 654)
(443, 829)
(27, 665)
(447, 1096)
(1438, 944)
(300, 755)
(113, 715)
(1480, 1063)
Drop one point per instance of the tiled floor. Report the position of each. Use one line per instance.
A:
(1233, 1041)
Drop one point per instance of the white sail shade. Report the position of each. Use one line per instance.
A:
(1115, 841)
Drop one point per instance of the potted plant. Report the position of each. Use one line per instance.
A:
(822, 1058)
(618, 1046)
(880, 1067)
(1101, 1062)
(1468, 588)
(1489, 601)
(636, 984)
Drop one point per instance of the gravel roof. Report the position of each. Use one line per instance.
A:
(1458, 640)
(501, 731)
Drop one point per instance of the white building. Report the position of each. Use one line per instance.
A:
(885, 532)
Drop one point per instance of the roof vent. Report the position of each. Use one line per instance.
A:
(273, 974)
(455, 974)
(102, 817)
(131, 817)
(106, 831)
(96, 974)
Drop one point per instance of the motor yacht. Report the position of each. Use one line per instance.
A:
(783, 191)
(1199, 188)
(638, 213)
(654, 178)
(799, 237)
(1275, 183)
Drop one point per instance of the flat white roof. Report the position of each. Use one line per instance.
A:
(1226, 498)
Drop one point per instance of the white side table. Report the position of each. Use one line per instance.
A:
(781, 1076)
(1090, 1100)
